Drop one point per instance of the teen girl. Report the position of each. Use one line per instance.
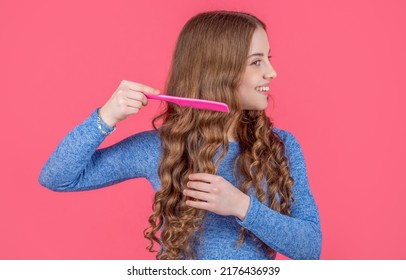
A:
(228, 185)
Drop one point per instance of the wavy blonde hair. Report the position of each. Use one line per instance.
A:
(209, 59)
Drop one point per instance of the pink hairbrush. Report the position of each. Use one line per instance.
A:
(191, 102)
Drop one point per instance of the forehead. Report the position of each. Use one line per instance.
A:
(259, 41)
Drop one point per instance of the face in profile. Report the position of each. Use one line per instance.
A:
(255, 82)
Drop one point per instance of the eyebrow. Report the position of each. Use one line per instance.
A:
(258, 54)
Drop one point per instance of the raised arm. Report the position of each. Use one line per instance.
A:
(77, 165)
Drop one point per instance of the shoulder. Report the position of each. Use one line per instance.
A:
(286, 136)
(144, 140)
(292, 146)
(144, 145)
(147, 138)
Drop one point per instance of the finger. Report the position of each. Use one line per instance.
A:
(133, 103)
(205, 177)
(140, 87)
(136, 95)
(132, 110)
(144, 101)
(197, 194)
(201, 186)
(198, 204)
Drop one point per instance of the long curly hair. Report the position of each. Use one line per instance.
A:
(209, 59)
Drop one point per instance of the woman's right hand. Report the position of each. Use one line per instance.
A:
(126, 100)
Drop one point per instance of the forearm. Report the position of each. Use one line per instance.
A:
(293, 237)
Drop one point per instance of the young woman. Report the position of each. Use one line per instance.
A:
(228, 185)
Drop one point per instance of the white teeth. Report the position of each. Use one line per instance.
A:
(262, 88)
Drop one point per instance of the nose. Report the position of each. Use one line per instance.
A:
(270, 73)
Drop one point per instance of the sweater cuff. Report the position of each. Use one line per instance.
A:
(252, 213)
(104, 128)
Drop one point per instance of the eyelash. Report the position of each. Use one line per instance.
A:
(254, 63)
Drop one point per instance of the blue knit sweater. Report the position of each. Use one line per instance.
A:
(77, 165)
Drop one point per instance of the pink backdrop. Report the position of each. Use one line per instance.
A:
(339, 90)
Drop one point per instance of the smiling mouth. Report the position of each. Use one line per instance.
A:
(263, 90)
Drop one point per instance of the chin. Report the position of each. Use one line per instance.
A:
(256, 108)
(263, 107)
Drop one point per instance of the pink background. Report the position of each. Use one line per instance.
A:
(339, 90)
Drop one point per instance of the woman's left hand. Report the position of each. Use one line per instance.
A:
(216, 194)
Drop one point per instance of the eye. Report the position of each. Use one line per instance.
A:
(256, 62)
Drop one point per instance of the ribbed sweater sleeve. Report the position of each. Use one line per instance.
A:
(77, 164)
(297, 236)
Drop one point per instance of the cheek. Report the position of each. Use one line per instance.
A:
(247, 86)
(248, 82)
(245, 94)
(246, 91)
